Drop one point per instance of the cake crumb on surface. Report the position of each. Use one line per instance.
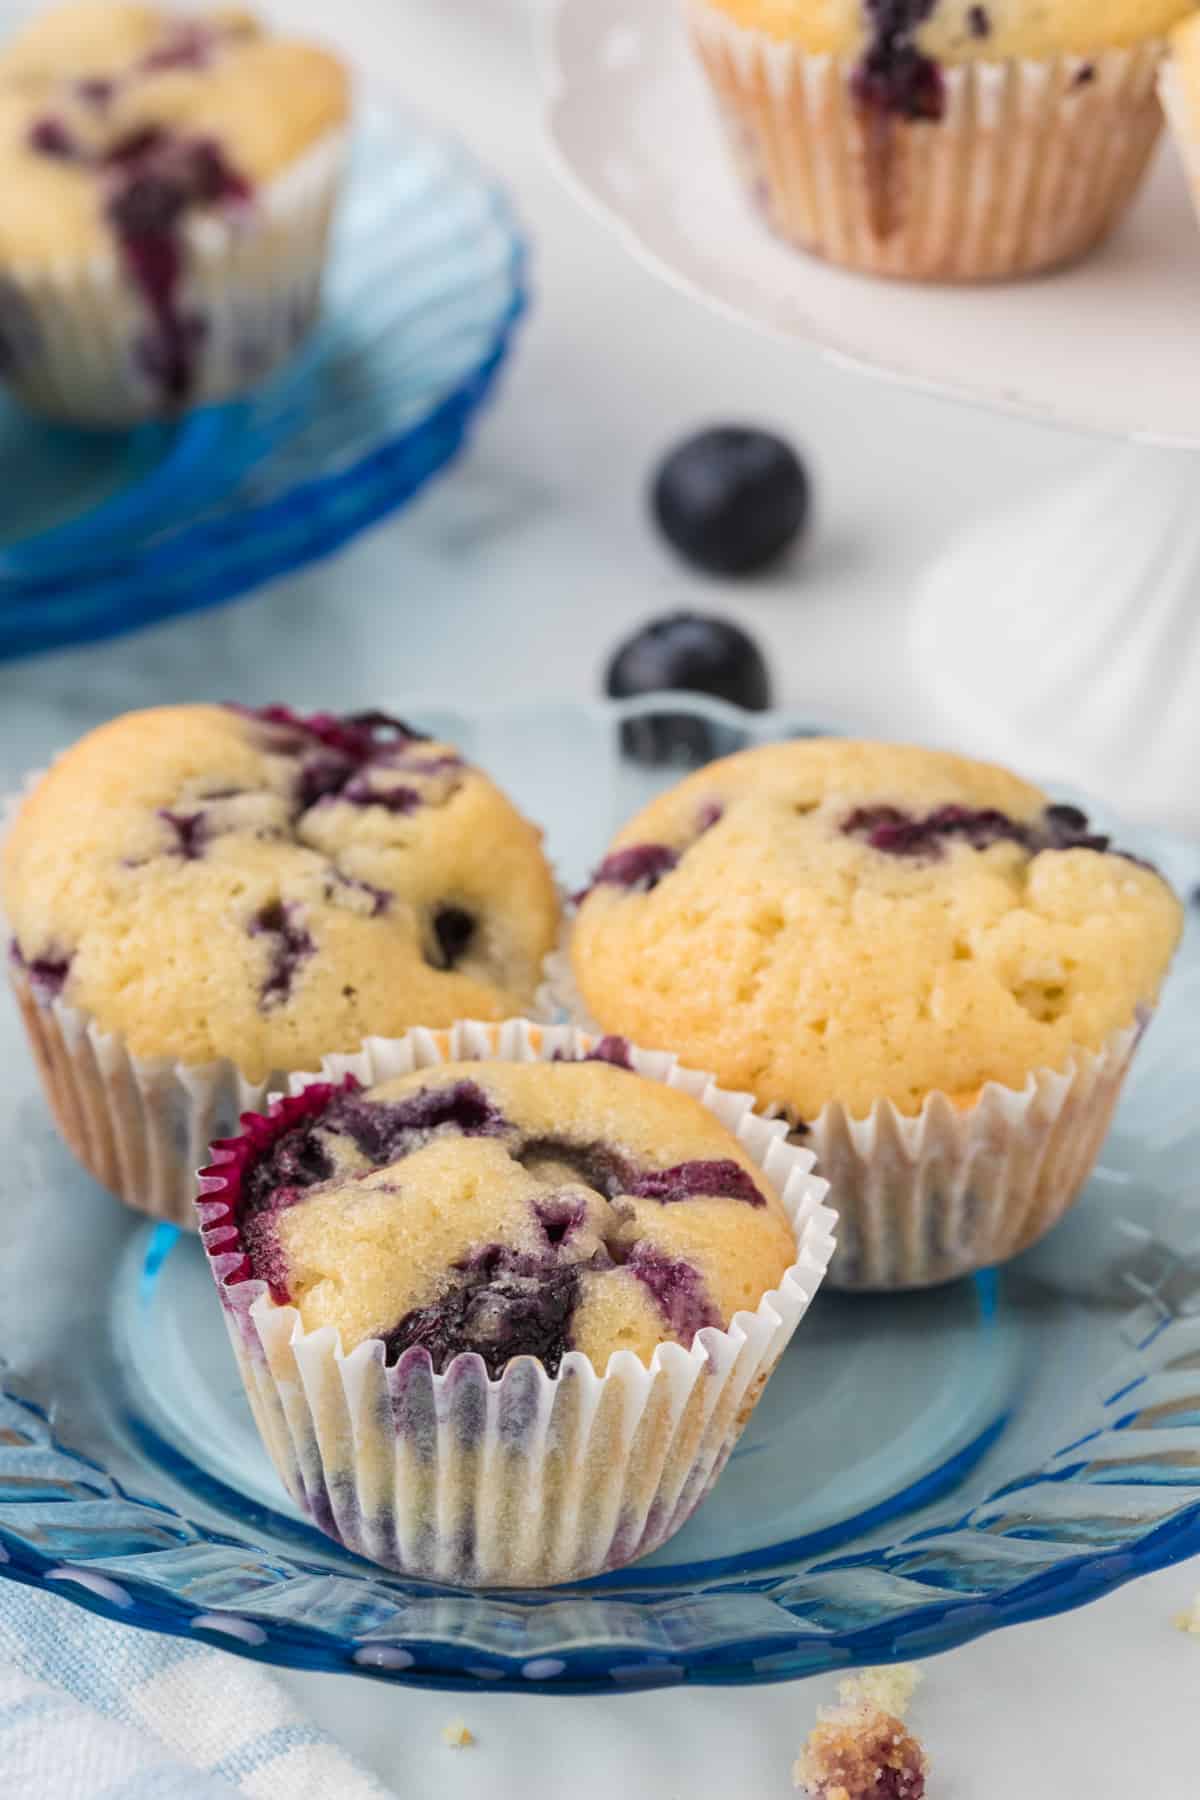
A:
(458, 1736)
(889, 1689)
(860, 1753)
(860, 1749)
(1190, 1621)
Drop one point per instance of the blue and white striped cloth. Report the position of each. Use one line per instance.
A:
(91, 1710)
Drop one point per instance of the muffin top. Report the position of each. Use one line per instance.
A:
(508, 1209)
(120, 122)
(830, 920)
(213, 882)
(959, 30)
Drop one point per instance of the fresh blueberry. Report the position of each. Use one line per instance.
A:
(454, 929)
(731, 500)
(695, 654)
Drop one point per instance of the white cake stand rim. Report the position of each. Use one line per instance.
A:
(556, 90)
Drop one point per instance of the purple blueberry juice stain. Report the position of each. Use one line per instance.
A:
(386, 1130)
(709, 815)
(640, 868)
(362, 790)
(897, 833)
(274, 1150)
(607, 1172)
(979, 22)
(47, 974)
(361, 738)
(96, 92)
(894, 78)
(894, 832)
(290, 947)
(724, 1180)
(615, 1051)
(678, 1289)
(296, 1160)
(154, 179)
(157, 179)
(502, 1304)
(337, 756)
(51, 137)
(191, 833)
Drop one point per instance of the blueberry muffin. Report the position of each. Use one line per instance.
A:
(938, 139)
(231, 894)
(502, 1319)
(842, 927)
(170, 184)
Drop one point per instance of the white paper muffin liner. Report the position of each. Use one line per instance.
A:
(531, 1480)
(1183, 125)
(1031, 165)
(254, 274)
(927, 1199)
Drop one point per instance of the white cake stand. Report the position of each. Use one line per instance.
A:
(1064, 636)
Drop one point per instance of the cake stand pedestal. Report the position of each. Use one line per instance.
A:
(1064, 636)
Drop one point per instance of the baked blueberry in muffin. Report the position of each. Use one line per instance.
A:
(507, 1210)
(171, 180)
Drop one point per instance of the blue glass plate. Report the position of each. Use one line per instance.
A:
(101, 533)
(922, 1468)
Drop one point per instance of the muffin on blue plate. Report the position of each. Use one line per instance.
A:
(504, 1300)
(204, 898)
(169, 188)
(937, 973)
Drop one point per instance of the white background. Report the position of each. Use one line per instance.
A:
(513, 579)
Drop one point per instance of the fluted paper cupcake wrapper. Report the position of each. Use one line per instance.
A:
(1031, 165)
(1183, 124)
(141, 1125)
(924, 1200)
(531, 1480)
(72, 331)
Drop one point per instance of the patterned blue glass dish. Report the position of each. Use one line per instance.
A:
(922, 1468)
(101, 533)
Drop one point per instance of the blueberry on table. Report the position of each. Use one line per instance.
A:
(689, 653)
(731, 500)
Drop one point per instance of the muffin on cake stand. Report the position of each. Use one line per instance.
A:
(1084, 595)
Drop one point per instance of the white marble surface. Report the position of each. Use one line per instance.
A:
(513, 578)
